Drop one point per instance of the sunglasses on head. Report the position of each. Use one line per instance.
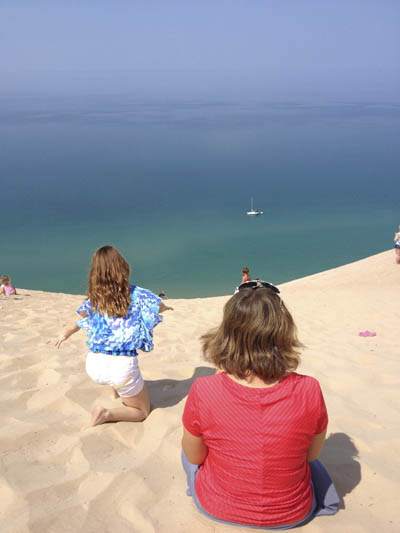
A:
(259, 284)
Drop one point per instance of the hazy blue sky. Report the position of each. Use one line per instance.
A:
(261, 48)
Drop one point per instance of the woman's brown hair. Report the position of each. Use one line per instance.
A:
(108, 283)
(257, 336)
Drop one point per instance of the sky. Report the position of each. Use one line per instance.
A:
(270, 49)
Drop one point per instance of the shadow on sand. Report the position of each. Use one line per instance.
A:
(340, 458)
(169, 392)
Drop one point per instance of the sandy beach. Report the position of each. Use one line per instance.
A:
(59, 476)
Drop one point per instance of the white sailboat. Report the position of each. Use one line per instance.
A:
(254, 212)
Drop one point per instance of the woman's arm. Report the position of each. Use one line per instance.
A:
(195, 449)
(316, 447)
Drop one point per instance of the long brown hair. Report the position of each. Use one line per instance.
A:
(257, 337)
(108, 282)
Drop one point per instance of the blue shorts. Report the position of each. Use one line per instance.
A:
(325, 498)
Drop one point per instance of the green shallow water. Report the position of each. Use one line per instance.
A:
(169, 185)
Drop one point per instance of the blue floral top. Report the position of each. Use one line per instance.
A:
(123, 335)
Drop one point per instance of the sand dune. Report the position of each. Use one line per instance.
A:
(57, 476)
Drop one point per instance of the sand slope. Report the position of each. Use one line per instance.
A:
(57, 476)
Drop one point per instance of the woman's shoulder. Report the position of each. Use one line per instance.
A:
(304, 382)
(303, 378)
(294, 378)
(205, 383)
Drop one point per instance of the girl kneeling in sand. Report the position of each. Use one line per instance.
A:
(119, 319)
(253, 431)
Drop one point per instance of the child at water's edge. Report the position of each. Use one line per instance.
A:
(119, 319)
(6, 287)
(245, 275)
(397, 246)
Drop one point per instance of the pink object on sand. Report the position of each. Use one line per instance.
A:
(367, 333)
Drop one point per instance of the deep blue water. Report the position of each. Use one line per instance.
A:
(169, 184)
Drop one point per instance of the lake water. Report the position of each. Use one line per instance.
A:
(169, 184)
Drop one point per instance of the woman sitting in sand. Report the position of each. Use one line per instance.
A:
(253, 431)
(119, 319)
(397, 246)
(6, 287)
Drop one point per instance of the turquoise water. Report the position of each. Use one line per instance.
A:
(169, 184)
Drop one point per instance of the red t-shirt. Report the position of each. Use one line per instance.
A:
(256, 470)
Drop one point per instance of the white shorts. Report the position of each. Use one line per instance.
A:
(121, 372)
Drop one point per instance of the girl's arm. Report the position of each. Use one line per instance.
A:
(316, 447)
(69, 330)
(164, 307)
(396, 236)
(195, 449)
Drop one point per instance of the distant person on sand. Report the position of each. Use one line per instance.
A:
(6, 287)
(397, 246)
(245, 278)
(162, 295)
(245, 275)
(119, 319)
(253, 431)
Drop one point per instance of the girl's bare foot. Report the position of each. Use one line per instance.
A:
(100, 415)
